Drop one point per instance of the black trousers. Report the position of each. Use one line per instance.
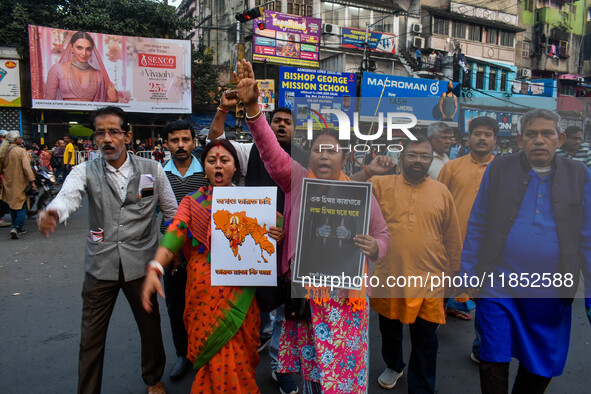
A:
(98, 301)
(174, 289)
(422, 365)
(494, 379)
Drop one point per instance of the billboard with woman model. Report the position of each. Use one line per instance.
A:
(84, 71)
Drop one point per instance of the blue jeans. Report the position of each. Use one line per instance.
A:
(274, 345)
(18, 217)
(265, 326)
(476, 343)
(423, 356)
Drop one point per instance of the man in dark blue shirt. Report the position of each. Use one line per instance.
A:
(529, 236)
(185, 174)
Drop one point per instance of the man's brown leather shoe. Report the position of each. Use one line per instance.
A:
(158, 388)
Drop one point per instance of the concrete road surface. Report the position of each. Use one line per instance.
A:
(40, 309)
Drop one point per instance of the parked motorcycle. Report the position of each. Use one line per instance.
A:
(45, 181)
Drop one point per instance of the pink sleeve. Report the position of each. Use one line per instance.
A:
(277, 161)
(53, 81)
(378, 228)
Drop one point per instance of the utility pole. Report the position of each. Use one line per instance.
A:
(366, 53)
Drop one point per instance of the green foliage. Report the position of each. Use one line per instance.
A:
(206, 87)
(15, 15)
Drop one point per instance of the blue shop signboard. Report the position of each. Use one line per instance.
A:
(391, 93)
(302, 82)
(301, 89)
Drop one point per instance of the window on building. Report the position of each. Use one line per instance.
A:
(525, 47)
(440, 26)
(204, 11)
(491, 35)
(475, 33)
(563, 49)
(529, 5)
(300, 7)
(466, 77)
(480, 77)
(385, 26)
(276, 6)
(570, 8)
(333, 13)
(503, 81)
(506, 38)
(354, 18)
(492, 80)
(458, 29)
(567, 87)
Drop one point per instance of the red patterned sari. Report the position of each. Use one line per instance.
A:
(222, 321)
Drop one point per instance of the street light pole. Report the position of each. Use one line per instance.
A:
(365, 47)
(365, 61)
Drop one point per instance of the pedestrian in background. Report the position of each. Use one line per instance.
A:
(431, 60)
(58, 160)
(438, 60)
(573, 147)
(45, 157)
(454, 149)
(4, 208)
(158, 154)
(439, 135)
(462, 177)
(17, 175)
(419, 56)
(69, 156)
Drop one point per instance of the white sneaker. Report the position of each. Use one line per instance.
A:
(474, 358)
(389, 378)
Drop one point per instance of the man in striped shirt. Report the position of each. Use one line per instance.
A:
(185, 174)
(572, 147)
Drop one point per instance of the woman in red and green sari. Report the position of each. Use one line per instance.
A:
(223, 321)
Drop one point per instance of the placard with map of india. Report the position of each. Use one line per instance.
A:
(242, 251)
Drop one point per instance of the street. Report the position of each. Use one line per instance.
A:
(40, 284)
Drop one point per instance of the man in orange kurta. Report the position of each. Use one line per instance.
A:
(462, 177)
(425, 241)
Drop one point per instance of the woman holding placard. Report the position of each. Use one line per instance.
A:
(330, 348)
(223, 321)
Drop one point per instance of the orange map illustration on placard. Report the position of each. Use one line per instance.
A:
(236, 226)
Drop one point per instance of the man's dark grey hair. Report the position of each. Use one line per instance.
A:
(435, 128)
(529, 117)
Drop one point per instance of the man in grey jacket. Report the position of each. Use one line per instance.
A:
(123, 191)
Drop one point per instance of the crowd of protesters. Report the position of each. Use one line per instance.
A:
(441, 205)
